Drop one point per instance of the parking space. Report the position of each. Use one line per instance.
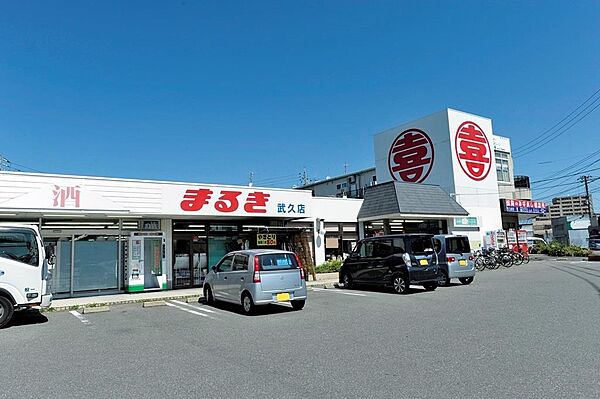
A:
(527, 331)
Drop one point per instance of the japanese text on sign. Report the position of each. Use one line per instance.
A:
(473, 151)
(266, 240)
(66, 196)
(411, 156)
(291, 208)
(522, 206)
(227, 200)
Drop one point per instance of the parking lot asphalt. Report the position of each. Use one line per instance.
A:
(530, 331)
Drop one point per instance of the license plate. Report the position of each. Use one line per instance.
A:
(423, 262)
(462, 262)
(283, 297)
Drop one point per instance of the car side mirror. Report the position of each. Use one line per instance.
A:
(354, 255)
(214, 268)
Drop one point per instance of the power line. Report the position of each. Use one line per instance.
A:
(560, 134)
(7, 165)
(565, 169)
(569, 175)
(550, 139)
(517, 149)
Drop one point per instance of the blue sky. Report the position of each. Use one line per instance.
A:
(208, 91)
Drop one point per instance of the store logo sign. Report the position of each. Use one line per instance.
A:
(66, 196)
(473, 151)
(411, 156)
(195, 199)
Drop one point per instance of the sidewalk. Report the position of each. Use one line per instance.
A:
(324, 280)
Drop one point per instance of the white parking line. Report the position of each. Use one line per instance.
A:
(79, 316)
(194, 306)
(188, 310)
(338, 291)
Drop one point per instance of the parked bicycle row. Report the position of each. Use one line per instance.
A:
(492, 258)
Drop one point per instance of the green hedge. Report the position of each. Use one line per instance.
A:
(555, 248)
(331, 266)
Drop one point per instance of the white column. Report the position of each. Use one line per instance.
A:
(361, 230)
(167, 228)
(319, 242)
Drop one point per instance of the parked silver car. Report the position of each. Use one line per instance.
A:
(454, 259)
(257, 277)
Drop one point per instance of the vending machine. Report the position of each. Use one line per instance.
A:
(145, 266)
(522, 241)
(511, 240)
(495, 239)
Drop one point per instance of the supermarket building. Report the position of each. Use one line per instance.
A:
(437, 174)
(112, 235)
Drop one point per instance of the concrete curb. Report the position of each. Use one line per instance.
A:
(108, 302)
(189, 298)
(152, 304)
(95, 309)
(325, 284)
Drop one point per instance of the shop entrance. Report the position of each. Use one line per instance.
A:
(190, 264)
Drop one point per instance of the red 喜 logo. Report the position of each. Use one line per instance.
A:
(411, 156)
(473, 151)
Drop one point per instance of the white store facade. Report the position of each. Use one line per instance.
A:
(114, 235)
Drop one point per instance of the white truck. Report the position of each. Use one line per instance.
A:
(24, 270)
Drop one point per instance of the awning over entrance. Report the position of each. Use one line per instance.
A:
(400, 200)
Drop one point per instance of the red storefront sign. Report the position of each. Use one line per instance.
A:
(473, 151)
(411, 156)
(195, 199)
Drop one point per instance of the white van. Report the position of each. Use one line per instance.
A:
(24, 274)
(535, 240)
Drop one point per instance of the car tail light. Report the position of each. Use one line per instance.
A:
(451, 258)
(256, 275)
(300, 266)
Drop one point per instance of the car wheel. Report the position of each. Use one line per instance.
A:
(248, 304)
(430, 287)
(400, 284)
(466, 280)
(298, 305)
(6, 311)
(208, 295)
(443, 280)
(347, 280)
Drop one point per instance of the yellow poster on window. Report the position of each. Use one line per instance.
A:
(266, 240)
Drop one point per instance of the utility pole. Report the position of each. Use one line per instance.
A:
(585, 179)
(304, 177)
(250, 179)
(345, 168)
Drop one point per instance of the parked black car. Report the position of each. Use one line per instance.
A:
(396, 261)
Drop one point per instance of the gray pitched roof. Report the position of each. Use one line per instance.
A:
(396, 198)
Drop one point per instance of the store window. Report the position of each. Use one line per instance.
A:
(502, 168)
(96, 264)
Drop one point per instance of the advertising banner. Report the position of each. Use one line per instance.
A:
(266, 240)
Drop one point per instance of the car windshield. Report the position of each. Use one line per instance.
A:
(457, 245)
(279, 261)
(418, 245)
(19, 245)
